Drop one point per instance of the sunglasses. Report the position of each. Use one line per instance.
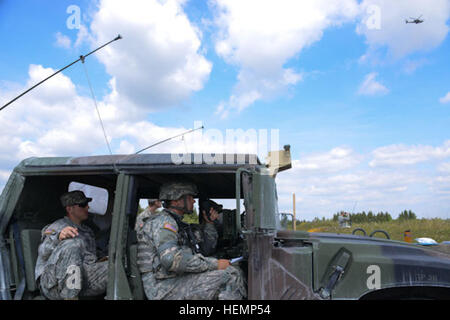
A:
(83, 205)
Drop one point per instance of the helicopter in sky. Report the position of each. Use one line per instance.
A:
(414, 20)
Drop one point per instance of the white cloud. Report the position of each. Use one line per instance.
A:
(339, 179)
(441, 185)
(445, 99)
(393, 33)
(158, 63)
(337, 159)
(399, 154)
(83, 36)
(260, 37)
(444, 167)
(412, 65)
(372, 87)
(54, 120)
(62, 41)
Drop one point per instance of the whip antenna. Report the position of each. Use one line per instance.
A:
(155, 144)
(95, 103)
(181, 134)
(80, 59)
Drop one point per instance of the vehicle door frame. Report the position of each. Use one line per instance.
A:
(118, 287)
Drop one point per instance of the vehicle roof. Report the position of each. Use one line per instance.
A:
(139, 162)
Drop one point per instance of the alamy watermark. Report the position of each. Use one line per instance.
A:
(74, 19)
(253, 142)
(374, 280)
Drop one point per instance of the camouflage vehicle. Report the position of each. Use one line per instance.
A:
(279, 263)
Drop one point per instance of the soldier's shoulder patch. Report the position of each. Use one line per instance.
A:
(170, 227)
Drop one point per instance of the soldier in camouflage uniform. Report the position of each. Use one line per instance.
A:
(153, 206)
(67, 266)
(168, 255)
(206, 232)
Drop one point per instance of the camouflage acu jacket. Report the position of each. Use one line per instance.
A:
(163, 250)
(206, 236)
(50, 240)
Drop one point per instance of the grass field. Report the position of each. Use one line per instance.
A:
(437, 229)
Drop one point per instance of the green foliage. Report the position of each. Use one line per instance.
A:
(191, 218)
(406, 215)
(362, 217)
(437, 229)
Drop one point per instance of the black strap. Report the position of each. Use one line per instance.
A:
(186, 232)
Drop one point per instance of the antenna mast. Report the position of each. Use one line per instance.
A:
(80, 59)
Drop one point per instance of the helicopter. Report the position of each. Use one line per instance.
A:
(414, 20)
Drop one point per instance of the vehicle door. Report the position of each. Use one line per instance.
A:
(124, 205)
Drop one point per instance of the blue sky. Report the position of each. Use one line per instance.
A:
(364, 106)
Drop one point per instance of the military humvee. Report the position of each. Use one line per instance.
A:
(279, 264)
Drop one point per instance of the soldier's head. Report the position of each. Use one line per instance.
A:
(154, 204)
(76, 204)
(178, 196)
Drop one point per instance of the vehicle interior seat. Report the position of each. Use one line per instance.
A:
(30, 239)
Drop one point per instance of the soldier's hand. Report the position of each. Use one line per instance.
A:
(213, 215)
(222, 264)
(67, 233)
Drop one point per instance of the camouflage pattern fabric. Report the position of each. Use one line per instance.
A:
(225, 284)
(141, 217)
(171, 270)
(207, 236)
(68, 269)
(74, 197)
(175, 190)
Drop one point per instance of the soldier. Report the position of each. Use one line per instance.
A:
(67, 266)
(169, 259)
(153, 206)
(206, 232)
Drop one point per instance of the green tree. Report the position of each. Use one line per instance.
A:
(191, 218)
(406, 215)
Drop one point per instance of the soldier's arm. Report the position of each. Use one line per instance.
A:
(67, 233)
(176, 258)
(49, 239)
(209, 241)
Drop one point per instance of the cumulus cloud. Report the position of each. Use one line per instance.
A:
(412, 65)
(445, 99)
(159, 61)
(62, 41)
(55, 120)
(383, 25)
(399, 154)
(259, 37)
(444, 167)
(51, 119)
(371, 86)
(327, 182)
(336, 159)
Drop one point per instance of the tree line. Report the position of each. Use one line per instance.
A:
(363, 217)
